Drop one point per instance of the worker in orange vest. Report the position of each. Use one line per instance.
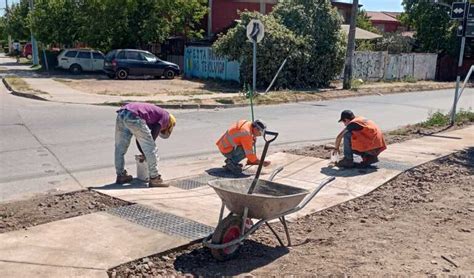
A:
(362, 137)
(237, 143)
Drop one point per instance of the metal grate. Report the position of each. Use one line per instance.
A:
(202, 180)
(192, 182)
(393, 165)
(161, 221)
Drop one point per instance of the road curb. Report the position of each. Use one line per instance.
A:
(21, 94)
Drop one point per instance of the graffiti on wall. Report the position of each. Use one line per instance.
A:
(375, 66)
(201, 62)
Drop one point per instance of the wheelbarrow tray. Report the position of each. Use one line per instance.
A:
(269, 199)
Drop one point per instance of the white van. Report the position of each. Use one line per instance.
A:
(78, 60)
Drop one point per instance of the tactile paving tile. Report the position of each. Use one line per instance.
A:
(161, 221)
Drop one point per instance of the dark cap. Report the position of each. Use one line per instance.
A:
(259, 125)
(346, 115)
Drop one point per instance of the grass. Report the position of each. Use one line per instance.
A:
(20, 85)
(438, 120)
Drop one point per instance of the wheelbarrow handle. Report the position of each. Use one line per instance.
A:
(271, 133)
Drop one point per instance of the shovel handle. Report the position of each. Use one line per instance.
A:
(270, 133)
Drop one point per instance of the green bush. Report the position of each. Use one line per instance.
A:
(307, 32)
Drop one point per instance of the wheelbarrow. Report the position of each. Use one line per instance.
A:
(248, 199)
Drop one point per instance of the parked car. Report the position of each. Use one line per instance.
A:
(28, 51)
(122, 63)
(79, 60)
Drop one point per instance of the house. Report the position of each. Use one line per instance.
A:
(386, 22)
(223, 13)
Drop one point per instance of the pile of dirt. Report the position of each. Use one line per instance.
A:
(396, 136)
(27, 213)
(420, 223)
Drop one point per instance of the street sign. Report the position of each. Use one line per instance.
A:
(470, 28)
(471, 11)
(458, 10)
(255, 30)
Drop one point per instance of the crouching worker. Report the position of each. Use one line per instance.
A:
(237, 144)
(362, 137)
(146, 122)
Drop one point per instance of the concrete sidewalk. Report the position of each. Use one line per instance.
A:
(164, 218)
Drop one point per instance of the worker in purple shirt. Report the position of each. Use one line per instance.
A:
(145, 121)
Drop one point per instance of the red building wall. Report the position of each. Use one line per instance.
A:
(388, 27)
(224, 12)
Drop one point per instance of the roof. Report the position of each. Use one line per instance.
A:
(381, 16)
(361, 34)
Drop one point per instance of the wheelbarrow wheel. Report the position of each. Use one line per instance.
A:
(227, 230)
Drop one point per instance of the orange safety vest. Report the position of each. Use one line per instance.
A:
(369, 138)
(239, 134)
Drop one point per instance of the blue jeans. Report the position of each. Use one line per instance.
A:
(129, 124)
(348, 153)
(236, 155)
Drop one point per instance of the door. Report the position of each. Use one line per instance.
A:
(67, 59)
(97, 61)
(84, 60)
(135, 63)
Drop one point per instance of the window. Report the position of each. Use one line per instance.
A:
(149, 57)
(132, 55)
(71, 54)
(84, 55)
(97, 56)
(121, 55)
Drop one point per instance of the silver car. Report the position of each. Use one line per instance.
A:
(79, 60)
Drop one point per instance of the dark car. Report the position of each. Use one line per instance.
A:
(122, 63)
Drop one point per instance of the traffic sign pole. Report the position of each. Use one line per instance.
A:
(460, 63)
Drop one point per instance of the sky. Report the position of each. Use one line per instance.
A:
(381, 5)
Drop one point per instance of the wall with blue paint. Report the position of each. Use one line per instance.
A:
(201, 62)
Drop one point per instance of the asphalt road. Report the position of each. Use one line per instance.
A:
(47, 146)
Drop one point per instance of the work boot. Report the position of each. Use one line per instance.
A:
(124, 178)
(157, 182)
(345, 163)
(369, 160)
(235, 169)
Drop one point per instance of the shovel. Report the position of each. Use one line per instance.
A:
(262, 158)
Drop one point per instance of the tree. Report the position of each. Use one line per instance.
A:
(56, 21)
(435, 31)
(17, 24)
(319, 24)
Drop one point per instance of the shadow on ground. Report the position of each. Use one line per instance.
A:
(252, 255)
(135, 184)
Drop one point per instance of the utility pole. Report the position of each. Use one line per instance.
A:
(350, 46)
(34, 45)
(209, 20)
(7, 11)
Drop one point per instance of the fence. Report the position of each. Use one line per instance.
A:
(201, 62)
(376, 66)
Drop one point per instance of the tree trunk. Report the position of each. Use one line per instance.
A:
(350, 46)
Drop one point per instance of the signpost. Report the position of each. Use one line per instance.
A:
(255, 33)
(461, 11)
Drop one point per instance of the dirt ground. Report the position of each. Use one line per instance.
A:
(419, 224)
(48, 208)
(148, 87)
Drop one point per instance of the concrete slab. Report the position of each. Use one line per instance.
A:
(86, 245)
